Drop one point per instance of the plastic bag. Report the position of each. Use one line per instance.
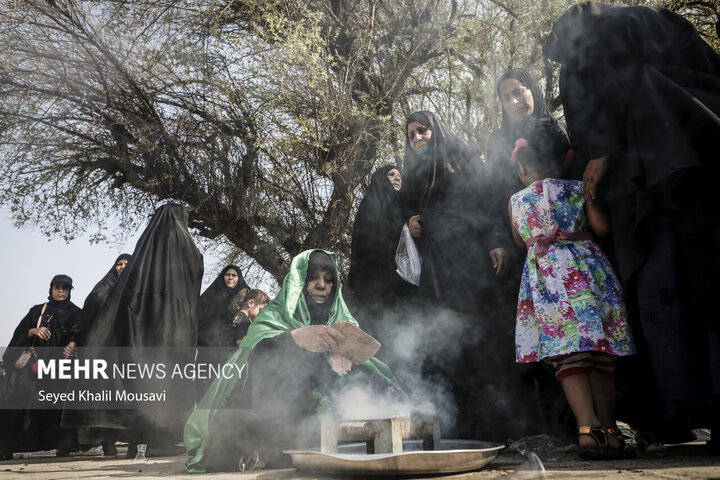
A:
(407, 258)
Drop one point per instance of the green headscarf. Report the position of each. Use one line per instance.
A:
(285, 312)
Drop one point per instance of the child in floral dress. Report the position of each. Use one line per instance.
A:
(570, 307)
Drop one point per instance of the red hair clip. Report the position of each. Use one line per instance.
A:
(519, 143)
(570, 156)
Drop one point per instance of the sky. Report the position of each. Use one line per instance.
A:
(29, 260)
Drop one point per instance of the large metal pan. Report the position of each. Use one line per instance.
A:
(452, 456)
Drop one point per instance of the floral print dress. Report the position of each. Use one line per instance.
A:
(570, 299)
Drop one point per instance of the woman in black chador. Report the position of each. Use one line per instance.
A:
(99, 295)
(101, 291)
(215, 307)
(215, 314)
(468, 333)
(446, 199)
(46, 325)
(154, 304)
(91, 308)
(641, 92)
(373, 285)
(523, 110)
(523, 105)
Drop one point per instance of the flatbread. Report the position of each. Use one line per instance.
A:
(358, 347)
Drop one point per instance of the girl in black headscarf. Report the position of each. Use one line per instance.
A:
(49, 324)
(641, 94)
(373, 284)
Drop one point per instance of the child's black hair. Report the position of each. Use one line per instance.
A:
(546, 151)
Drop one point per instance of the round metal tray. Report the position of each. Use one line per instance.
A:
(452, 456)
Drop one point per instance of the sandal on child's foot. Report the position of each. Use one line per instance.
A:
(601, 450)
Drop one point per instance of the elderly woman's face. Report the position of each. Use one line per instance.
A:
(320, 287)
(517, 99)
(395, 178)
(120, 265)
(231, 278)
(418, 136)
(60, 292)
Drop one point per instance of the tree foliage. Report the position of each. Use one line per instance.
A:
(264, 117)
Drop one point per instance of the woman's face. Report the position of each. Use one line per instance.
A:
(120, 265)
(60, 292)
(418, 136)
(395, 178)
(517, 99)
(231, 278)
(320, 287)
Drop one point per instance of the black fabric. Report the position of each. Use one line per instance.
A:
(681, 354)
(97, 297)
(236, 330)
(154, 304)
(376, 231)
(156, 297)
(215, 308)
(446, 154)
(639, 85)
(449, 190)
(373, 283)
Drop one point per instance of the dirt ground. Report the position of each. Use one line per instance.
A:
(687, 461)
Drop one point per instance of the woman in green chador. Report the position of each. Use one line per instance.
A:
(289, 359)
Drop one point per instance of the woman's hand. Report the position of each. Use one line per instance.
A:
(594, 172)
(317, 338)
(499, 257)
(414, 226)
(68, 350)
(42, 333)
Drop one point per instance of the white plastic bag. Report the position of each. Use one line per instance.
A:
(407, 258)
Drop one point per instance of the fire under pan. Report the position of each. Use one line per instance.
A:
(452, 456)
